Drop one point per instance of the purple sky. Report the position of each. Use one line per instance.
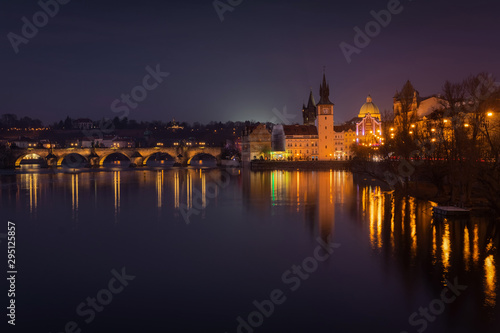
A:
(264, 55)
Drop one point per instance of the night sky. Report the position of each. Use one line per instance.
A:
(263, 55)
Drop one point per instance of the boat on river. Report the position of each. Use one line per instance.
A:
(448, 211)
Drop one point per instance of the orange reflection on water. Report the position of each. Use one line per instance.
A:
(159, 188)
(413, 227)
(203, 190)
(373, 239)
(434, 244)
(403, 216)
(393, 204)
(298, 190)
(380, 198)
(117, 190)
(467, 253)
(475, 245)
(30, 182)
(74, 192)
(176, 189)
(490, 281)
(331, 186)
(375, 202)
(189, 188)
(446, 248)
(33, 191)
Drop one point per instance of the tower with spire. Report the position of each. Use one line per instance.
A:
(326, 131)
(324, 92)
(309, 111)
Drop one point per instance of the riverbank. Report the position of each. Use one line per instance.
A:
(299, 165)
(427, 191)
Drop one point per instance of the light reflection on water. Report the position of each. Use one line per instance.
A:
(408, 226)
(400, 230)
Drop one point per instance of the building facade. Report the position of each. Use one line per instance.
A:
(301, 142)
(255, 143)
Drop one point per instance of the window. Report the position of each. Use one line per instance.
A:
(325, 127)
(325, 118)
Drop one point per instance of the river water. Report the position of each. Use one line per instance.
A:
(210, 250)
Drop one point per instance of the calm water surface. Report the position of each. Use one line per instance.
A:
(246, 232)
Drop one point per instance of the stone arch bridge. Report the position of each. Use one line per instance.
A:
(97, 156)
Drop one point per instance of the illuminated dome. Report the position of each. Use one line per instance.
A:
(370, 108)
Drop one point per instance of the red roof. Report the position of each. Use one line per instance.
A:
(300, 130)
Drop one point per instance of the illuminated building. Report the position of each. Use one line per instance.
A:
(325, 122)
(295, 142)
(255, 143)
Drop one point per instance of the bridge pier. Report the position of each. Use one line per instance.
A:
(51, 161)
(137, 161)
(94, 161)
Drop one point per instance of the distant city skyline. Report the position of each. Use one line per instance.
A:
(261, 56)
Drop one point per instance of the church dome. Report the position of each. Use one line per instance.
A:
(370, 108)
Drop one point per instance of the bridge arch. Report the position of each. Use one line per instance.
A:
(103, 158)
(198, 157)
(23, 156)
(76, 160)
(158, 153)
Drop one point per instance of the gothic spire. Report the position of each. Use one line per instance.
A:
(324, 92)
(311, 103)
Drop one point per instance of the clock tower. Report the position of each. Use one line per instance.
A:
(326, 132)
